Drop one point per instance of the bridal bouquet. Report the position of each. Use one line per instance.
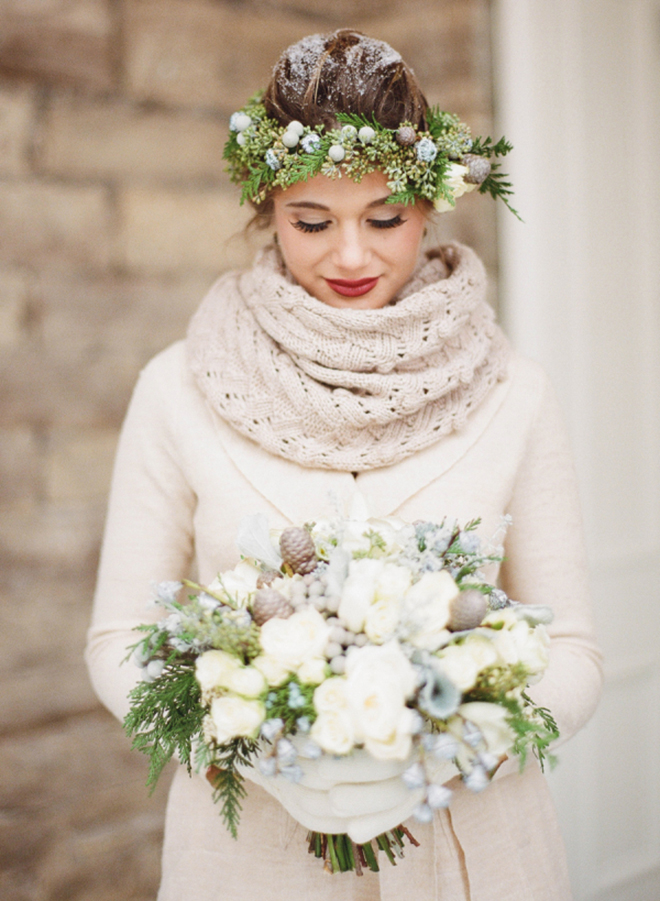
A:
(342, 635)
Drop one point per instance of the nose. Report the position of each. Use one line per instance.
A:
(351, 252)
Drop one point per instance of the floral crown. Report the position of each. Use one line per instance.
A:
(438, 164)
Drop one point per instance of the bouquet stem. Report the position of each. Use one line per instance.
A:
(340, 854)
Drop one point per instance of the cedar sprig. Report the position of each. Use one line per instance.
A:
(165, 717)
(228, 784)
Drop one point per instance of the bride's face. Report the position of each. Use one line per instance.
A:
(344, 244)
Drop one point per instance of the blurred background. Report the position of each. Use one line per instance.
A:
(115, 217)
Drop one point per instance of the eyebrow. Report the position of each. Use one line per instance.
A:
(310, 205)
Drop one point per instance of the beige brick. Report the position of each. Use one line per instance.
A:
(12, 307)
(61, 225)
(16, 118)
(79, 464)
(116, 140)
(65, 40)
(63, 537)
(93, 333)
(180, 230)
(444, 61)
(78, 823)
(20, 463)
(202, 53)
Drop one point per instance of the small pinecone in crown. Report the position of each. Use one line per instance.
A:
(268, 603)
(406, 135)
(467, 610)
(478, 166)
(298, 551)
(267, 578)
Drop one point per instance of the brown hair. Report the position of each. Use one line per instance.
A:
(342, 72)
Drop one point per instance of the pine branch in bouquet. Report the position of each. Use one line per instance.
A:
(538, 734)
(165, 716)
(228, 783)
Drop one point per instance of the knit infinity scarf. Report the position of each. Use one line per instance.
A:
(347, 389)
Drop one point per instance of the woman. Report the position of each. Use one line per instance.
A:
(343, 361)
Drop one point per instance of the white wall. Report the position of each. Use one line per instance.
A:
(577, 92)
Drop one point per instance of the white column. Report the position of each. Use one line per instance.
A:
(577, 92)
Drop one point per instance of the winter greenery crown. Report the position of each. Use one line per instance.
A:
(438, 164)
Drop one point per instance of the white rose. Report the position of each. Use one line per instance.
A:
(393, 582)
(233, 716)
(491, 720)
(212, 668)
(500, 619)
(246, 681)
(382, 620)
(379, 680)
(333, 731)
(313, 670)
(292, 641)
(399, 744)
(462, 663)
(455, 181)
(272, 670)
(426, 609)
(359, 592)
(532, 646)
(331, 695)
(237, 584)
(353, 537)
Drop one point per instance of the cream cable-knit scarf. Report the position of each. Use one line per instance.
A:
(347, 389)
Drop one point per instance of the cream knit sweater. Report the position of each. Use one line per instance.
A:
(182, 481)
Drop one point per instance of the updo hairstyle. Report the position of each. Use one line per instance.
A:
(342, 72)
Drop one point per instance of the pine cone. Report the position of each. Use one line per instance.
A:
(478, 166)
(298, 551)
(406, 136)
(267, 578)
(467, 610)
(268, 603)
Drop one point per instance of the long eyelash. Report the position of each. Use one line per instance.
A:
(309, 227)
(387, 223)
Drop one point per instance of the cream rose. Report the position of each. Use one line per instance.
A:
(237, 584)
(313, 670)
(331, 695)
(455, 181)
(462, 663)
(212, 669)
(359, 592)
(234, 716)
(246, 681)
(524, 644)
(272, 670)
(491, 720)
(294, 640)
(379, 680)
(333, 731)
(426, 610)
(382, 620)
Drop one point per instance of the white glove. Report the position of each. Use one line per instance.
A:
(357, 794)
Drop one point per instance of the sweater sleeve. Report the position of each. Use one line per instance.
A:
(149, 529)
(546, 564)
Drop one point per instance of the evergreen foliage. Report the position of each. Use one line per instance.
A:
(165, 717)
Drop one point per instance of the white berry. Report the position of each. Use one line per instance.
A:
(336, 153)
(290, 139)
(366, 134)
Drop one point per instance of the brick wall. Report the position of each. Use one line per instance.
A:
(115, 216)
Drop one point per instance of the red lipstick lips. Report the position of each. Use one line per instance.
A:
(352, 287)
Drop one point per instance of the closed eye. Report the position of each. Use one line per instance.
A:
(387, 223)
(310, 227)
